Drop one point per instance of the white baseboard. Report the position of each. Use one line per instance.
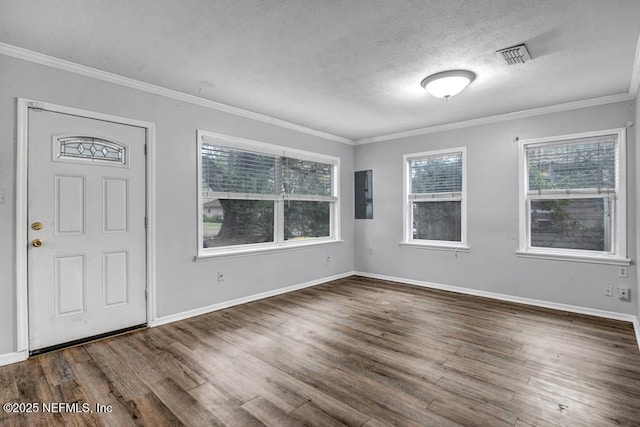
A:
(636, 326)
(226, 304)
(9, 358)
(528, 301)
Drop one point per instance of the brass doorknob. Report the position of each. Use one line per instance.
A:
(37, 225)
(36, 243)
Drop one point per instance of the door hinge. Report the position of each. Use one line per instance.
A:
(146, 222)
(145, 149)
(146, 294)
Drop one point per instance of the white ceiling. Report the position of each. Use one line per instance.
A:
(349, 68)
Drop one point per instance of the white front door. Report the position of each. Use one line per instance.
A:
(86, 216)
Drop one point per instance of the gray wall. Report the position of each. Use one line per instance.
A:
(492, 165)
(182, 284)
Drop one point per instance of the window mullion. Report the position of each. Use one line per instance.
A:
(244, 196)
(280, 201)
(305, 198)
(534, 195)
(528, 221)
(436, 197)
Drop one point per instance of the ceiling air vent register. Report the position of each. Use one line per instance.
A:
(514, 55)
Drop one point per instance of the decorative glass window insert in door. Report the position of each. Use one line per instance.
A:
(92, 149)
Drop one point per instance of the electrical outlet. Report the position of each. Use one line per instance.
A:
(220, 276)
(370, 251)
(622, 272)
(328, 259)
(2, 196)
(608, 290)
(623, 293)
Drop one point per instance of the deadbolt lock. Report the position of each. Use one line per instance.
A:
(36, 243)
(36, 225)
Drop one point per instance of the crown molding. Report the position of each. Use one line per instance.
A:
(83, 70)
(593, 102)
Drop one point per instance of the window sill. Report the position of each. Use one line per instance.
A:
(436, 247)
(261, 250)
(591, 259)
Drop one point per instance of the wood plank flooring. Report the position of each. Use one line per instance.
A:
(357, 352)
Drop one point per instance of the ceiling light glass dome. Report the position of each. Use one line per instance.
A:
(448, 83)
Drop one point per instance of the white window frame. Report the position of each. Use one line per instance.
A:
(618, 253)
(279, 243)
(408, 199)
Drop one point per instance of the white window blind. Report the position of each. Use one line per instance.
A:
(436, 174)
(229, 170)
(587, 163)
(304, 177)
(243, 172)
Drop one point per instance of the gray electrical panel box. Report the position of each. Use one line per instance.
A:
(364, 194)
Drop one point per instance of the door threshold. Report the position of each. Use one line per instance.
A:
(86, 340)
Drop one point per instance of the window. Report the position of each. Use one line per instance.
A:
(572, 197)
(435, 199)
(92, 149)
(259, 196)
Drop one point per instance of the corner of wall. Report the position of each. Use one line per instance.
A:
(637, 169)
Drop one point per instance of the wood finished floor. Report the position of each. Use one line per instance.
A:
(356, 351)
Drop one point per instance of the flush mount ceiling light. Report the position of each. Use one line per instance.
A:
(447, 83)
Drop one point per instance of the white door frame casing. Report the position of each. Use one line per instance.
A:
(22, 303)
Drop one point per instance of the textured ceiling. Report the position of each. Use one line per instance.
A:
(349, 68)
